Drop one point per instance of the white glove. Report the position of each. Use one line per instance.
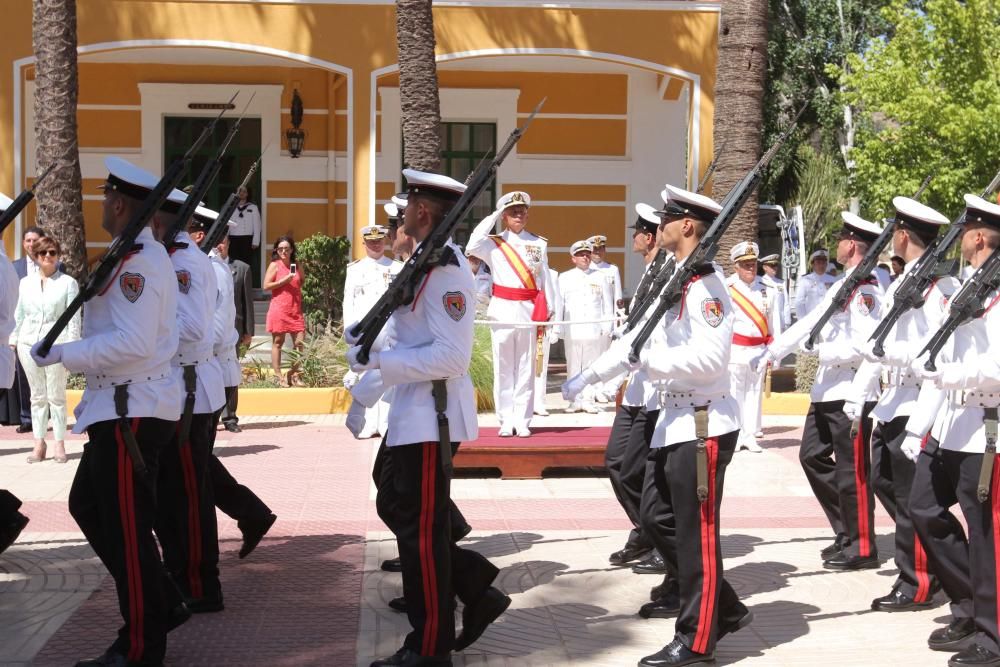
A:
(912, 444)
(357, 366)
(853, 410)
(868, 352)
(574, 386)
(351, 340)
(355, 418)
(760, 361)
(951, 376)
(350, 379)
(618, 332)
(553, 336)
(53, 357)
(605, 330)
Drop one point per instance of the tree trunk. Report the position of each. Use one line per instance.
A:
(60, 198)
(739, 97)
(418, 84)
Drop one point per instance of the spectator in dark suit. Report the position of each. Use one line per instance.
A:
(243, 294)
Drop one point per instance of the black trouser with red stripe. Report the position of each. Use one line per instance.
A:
(707, 599)
(116, 509)
(625, 459)
(186, 525)
(937, 484)
(235, 500)
(435, 569)
(838, 468)
(892, 480)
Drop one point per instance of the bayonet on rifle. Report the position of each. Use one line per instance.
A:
(217, 231)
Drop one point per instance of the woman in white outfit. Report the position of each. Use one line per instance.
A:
(43, 297)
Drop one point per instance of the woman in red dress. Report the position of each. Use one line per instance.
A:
(284, 280)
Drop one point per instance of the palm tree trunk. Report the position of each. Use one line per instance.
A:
(418, 84)
(60, 199)
(739, 97)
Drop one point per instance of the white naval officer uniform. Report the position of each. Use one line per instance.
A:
(811, 288)
(613, 276)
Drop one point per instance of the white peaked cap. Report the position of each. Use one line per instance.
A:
(516, 198)
(858, 225)
(391, 209)
(679, 201)
(744, 250)
(435, 184)
(399, 200)
(580, 245)
(980, 210)
(913, 212)
(819, 253)
(647, 213)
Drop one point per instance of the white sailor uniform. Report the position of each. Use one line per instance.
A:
(586, 296)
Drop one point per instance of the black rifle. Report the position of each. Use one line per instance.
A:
(911, 291)
(428, 254)
(23, 199)
(861, 273)
(205, 179)
(968, 303)
(123, 243)
(708, 245)
(217, 231)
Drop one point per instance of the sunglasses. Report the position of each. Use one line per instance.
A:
(43, 253)
(284, 249)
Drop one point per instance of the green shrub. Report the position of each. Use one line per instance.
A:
(806, 366)
(322, 361)
(481, 367)
(325, 261)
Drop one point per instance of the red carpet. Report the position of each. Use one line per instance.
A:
(548, 436)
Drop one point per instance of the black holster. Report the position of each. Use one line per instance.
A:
(986, 470)
(190, 387)
(121, 409)
(701, 451)
(439, 391)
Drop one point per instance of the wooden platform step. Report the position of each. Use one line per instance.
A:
(527, 458)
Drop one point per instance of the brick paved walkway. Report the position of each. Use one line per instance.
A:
(312, 594)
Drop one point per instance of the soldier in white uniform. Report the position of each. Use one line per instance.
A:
(892, 473)
(599, 243)
(367, 279)
(484, 283)
(433, 346)
(550, 338)
(519, 263)
(756, 321)
(187, 526)
(129, 410)
(586, 296)
(956, 414)
(836, 464)
(770, 265)
(812, 287)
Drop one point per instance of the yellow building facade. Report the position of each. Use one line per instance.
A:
(629, 87)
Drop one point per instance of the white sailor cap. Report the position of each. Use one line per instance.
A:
(399, 200)
(516, 198)
(819, 254)
(581, 246)
(435, 185)
(5, 202)
(374, 232)
(648, 221)
(911, 214)
(744, 250)
(978, 209)
(391, 209)
(678, 202)
(858, 226)
(204, 218)
(770, 259)
(598, 241)
(135, 182)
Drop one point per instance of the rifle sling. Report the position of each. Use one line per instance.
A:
(121, 409)
(701, 451)
(190, 387)
(439, 391)
(986, 470)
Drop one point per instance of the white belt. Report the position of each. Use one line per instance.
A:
(688, 399)
(191, 357)
(968, 398)
(844, 365)
(904, 378)
(101, 381)
(226, 357)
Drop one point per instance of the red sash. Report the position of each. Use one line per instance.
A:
(530, 291)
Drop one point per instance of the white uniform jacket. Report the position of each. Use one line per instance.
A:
(248, 223)
(912, 331)
(585, 296)
(689, 355)
(970, 382)
(225, 333)
(129, 337)
(8, 302)
(782, 303)
(840, 341)
(484, 288)
(766, 301)
(809, 292)
(614, 278)
(532, 249)
(38, 308)
(433, 340)
(198, 293)
(367, 279)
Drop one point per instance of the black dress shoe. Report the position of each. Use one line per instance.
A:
(838, 545)
(24, 428)
(897, 600)
(114, 659)
(253, 532)
(398, 604)
(392, 565)
(178, 616)
(958, 635)
(667, 606)
(478, 616)
(975, 656)
(652, 564)
(737, 625)
(849, 563)
(233, 427)
(663, 588)
(205, 605)
(10, 532)
(405, 657)
(627, 555)
(676, 654)
(461, 532)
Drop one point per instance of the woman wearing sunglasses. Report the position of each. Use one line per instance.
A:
(43, 297)
(284, 279)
